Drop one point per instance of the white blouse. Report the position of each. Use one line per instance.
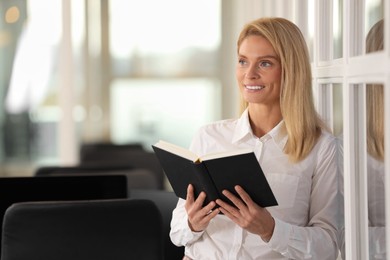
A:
(307, 194)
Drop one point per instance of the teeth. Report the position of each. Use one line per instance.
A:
(254, 87)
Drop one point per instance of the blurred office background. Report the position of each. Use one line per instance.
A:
(76, 72)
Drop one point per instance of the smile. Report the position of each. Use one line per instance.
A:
(254, 87)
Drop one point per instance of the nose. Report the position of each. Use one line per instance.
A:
(252, 72)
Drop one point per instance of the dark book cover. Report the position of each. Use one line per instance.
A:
(181, 172)
(215, 175)
(243, 170)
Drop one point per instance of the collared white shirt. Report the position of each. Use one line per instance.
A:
(306, 217)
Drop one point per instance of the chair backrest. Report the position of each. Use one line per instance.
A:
(80, 230)
(136, 178)
(122, 155)
(76, 169)
(166, 202)
(59, 188)
(87, 149)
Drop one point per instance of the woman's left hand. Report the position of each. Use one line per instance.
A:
(248, 214)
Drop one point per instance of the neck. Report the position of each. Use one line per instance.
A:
(263, 119)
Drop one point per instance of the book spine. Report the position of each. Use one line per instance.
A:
(207, 183)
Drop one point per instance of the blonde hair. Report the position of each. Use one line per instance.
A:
(375, 122)
(302, 123)
(375, 100)
(374, 39)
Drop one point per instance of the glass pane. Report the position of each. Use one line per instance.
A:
(164, 38)
(337, 29)
(30, 41)
(337, 128)
(147, 110)
(311, 26)
(30, 79)
(337, 109)
(14, 130)
(375, 170)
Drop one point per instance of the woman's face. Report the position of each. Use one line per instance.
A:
(258, 71)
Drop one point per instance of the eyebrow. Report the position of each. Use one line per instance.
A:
(262, 57)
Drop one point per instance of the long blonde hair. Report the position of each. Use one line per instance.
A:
(302, 123)
(375, 100)
(375, 122)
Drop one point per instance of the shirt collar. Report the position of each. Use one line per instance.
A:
(243, 131)
(243, 128)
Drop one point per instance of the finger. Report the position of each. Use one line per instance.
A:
(229, 215)
(198, 220)
(244, 196)
(190, 194)
(211, 214)
(208, 208)
(236, 201)
(226, 212)
(205, 219)
(199, 201)
(226, 207)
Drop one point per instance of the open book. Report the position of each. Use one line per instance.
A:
(214, 172)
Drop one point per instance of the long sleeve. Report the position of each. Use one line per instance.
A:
(180, 233)
(296, 242)
(318, 239)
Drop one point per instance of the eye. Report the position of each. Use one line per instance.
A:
(265, 64)
(242, 62)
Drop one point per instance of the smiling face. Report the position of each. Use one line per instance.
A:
(258, 72)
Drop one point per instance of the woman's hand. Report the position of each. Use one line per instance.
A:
(199, 217)
(248, 214)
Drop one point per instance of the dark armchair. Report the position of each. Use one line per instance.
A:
(60, 188)
(120, 229)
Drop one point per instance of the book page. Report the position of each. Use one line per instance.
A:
(225, 154)
(175, 149)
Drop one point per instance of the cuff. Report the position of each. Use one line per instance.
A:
(190, 235)
(280, 237)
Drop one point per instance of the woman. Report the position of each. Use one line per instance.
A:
(297, 154)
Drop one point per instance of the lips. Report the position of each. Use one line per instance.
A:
(254, 87)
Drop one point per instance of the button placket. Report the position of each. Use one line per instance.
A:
(237, 243)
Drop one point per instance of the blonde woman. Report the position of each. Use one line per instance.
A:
(297, 154)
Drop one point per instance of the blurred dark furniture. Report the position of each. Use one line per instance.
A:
(166, 201)
(110, 154)
(83, 230)
(60, 188)
(87, 148)
(136, 178)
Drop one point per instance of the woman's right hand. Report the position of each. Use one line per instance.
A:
(199, 217)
